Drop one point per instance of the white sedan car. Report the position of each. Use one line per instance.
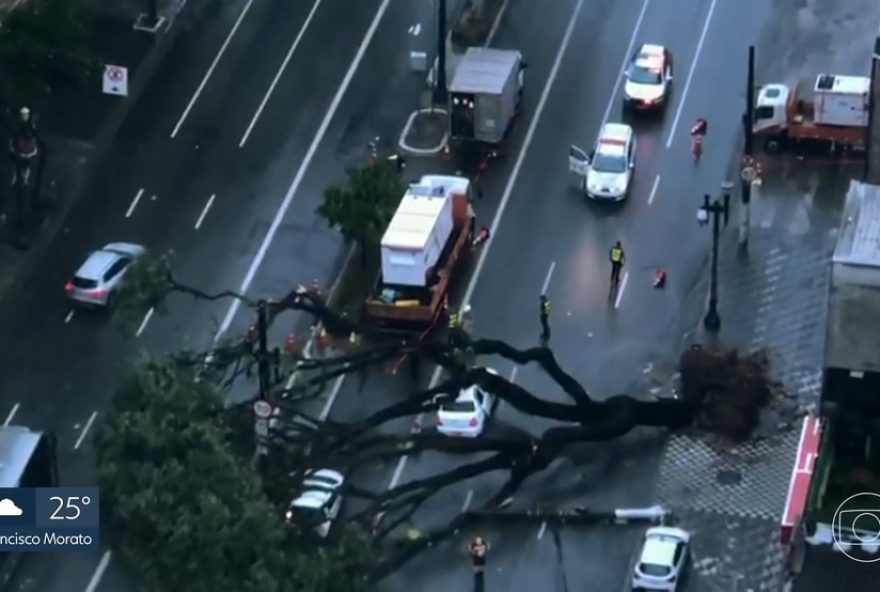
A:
(96, 281)
(607, 171)
(319, 501)
(662, 559)
(467, 415)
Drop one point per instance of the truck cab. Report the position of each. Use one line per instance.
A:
(771, 108)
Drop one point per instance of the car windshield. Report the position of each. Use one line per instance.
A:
(459, 407)
(321, 480)
(609, 163)
(81, 282)
(641, 75)
(653, 569)
(306, 515)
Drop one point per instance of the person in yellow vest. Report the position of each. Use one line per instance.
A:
(618, 258)
(545, 315)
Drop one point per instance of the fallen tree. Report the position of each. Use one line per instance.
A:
(721, 393)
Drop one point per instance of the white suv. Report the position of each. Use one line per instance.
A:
(662, 559)
(319, 501)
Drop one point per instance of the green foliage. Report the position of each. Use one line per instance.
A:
(362, 208)
(44, 46)
(147, 283)
(184, 511)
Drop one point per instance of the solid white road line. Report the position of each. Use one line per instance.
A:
(205, 210)
(275, 80)
(334, 392)
(508, 191)
(621, 289)
(626, 56)
(210, 71)
(146, 320)
(654, 190)
(12, 413)
(303, 167)
(134, 203)
(467, 501)
(548, 277)
(85, 430)
(690, 77)
(99, 572)
(69, 317)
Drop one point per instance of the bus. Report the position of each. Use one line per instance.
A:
(27, 459)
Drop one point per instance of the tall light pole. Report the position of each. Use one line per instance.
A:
(715, 210)
(748, 150)
(440, 91)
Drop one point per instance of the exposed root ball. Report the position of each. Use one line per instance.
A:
(730, 388)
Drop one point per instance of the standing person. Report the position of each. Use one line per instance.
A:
(478, 549)
(545, 315)
(618, 258)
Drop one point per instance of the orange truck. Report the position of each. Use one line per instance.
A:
(423, 249)
(832, 118)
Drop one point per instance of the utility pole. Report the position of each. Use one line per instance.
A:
(440, 92)
(748, 151)
(715, 210)
(872, 158)
(263, 361)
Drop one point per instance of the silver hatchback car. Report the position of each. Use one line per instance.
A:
(96, 281)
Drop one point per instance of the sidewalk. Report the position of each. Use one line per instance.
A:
(78, 128)
(731, 499)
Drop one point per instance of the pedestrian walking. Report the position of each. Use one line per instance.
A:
(544, 311)
(618, 258)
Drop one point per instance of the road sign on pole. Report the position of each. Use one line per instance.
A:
(115, 80)
(262, 409)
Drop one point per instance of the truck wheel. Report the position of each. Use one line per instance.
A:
(773, 145)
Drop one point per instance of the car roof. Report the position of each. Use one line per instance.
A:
(650, 56)
(97, 263)
(614, 138)
(124, 248)
(660, 546)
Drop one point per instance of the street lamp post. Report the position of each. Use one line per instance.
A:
(715, 210)
(440, 92)
(748, 149)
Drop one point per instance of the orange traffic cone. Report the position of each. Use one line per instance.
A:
(659, 278)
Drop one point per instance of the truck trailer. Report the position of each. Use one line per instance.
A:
(484, 98)
(421, 251)
(833, 118)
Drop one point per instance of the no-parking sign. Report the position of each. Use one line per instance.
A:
(115, 80)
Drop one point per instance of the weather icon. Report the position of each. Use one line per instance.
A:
(8, 508)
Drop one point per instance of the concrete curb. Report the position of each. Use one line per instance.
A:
(422, 151)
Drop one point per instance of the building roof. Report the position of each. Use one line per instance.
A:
(17, 445)
(484, 70)
(853, 342)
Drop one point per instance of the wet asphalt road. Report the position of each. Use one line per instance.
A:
(59, 370)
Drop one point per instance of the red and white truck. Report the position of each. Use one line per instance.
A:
(832, 118)
(422, 251)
